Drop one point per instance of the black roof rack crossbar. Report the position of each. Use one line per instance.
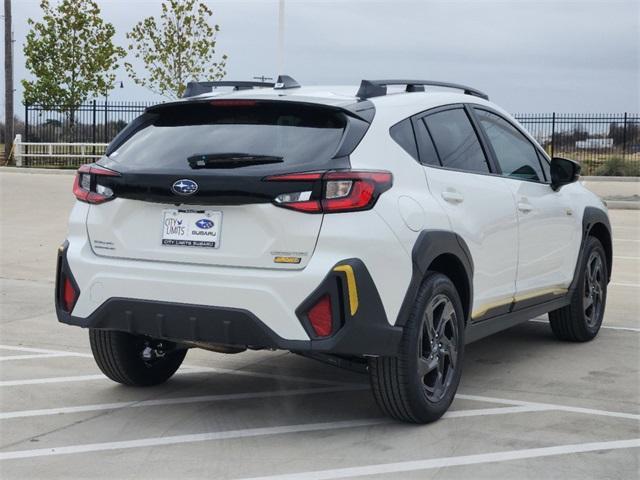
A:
(198, 88)
(378, 88)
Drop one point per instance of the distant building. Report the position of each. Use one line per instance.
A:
(594, 143)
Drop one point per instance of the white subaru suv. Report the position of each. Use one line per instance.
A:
(372, 229)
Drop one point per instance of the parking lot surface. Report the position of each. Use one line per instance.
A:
(528, 406)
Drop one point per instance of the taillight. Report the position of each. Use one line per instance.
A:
(87, 186)
(320, 317)
(333, 191)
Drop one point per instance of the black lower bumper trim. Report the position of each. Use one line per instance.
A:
(179, 321)
(367, 334)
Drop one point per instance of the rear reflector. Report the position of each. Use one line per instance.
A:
(69, 295)
(320, 317)
(333, 191)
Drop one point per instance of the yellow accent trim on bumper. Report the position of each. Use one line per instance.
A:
(351, 287)
(483, 309)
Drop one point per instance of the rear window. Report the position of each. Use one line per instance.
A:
(229, 134)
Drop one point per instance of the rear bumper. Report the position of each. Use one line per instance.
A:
(363, 332)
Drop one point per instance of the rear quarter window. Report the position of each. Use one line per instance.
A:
(402, 134)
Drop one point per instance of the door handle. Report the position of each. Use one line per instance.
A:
(452, 197)
(524, 207)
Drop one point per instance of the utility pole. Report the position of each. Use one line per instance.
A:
(8, 80)
(280, 37)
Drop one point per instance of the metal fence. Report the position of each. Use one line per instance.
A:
(93, 122)
(605, 144)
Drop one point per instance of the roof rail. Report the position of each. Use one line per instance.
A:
(198, 88)
(378, 88)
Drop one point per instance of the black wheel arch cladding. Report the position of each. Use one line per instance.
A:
(595, 222)
(445, 252)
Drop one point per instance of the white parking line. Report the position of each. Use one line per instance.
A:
(192, 369)
(41, 350)
(198, 437)
(33, 356)
(412, 466)
(549, 406)
(179, 401)
(626, 240)
(625, 258)
(244, 396)
(608, 327)
(250, 432)
(184, 369)
(622, 284)
(74, 378)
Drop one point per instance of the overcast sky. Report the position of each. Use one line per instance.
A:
(528, 55)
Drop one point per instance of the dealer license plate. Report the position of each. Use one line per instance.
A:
(191, 228)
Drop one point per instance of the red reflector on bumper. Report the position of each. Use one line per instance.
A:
(320, 317)
(68, 295)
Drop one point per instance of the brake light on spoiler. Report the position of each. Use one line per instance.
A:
(87, 187)
(333, 191)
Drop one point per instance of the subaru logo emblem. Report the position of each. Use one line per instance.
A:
(185, 187)
(204, 224)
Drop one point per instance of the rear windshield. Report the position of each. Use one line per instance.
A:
(229, 134)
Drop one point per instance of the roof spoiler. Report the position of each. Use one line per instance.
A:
(378, 88)
(198, 88)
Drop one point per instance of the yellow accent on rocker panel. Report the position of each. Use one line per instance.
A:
(351, 287)
(483, 309)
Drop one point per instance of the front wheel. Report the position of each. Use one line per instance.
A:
(135, 360)
(419, 384)
(580, 321)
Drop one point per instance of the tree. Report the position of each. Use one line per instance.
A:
(72, 55)
(180, 48)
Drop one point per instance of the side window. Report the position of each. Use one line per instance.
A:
(516, 155)
(428, 154)
(456, 141)
(402, 134)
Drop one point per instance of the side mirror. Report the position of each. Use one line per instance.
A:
(563, 172)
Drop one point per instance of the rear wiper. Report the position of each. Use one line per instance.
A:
(230, 160)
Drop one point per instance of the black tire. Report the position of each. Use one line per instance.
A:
(120, 357)
(400, 386)
(580, 321)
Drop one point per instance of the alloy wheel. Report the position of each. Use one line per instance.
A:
(438, 352)
(593, 290)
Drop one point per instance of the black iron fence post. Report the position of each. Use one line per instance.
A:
(106, 119)
(26, 122)
(94, 137)
(624, 135)
(553, 133)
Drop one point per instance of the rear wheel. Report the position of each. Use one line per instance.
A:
(580, 321)
(419, 384)
(135, 360)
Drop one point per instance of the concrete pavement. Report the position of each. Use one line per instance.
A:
(529, 406)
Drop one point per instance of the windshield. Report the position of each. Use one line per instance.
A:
(225, 135)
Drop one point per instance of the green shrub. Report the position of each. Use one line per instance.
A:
(619, 167)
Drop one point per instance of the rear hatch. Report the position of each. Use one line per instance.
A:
(193, 182)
